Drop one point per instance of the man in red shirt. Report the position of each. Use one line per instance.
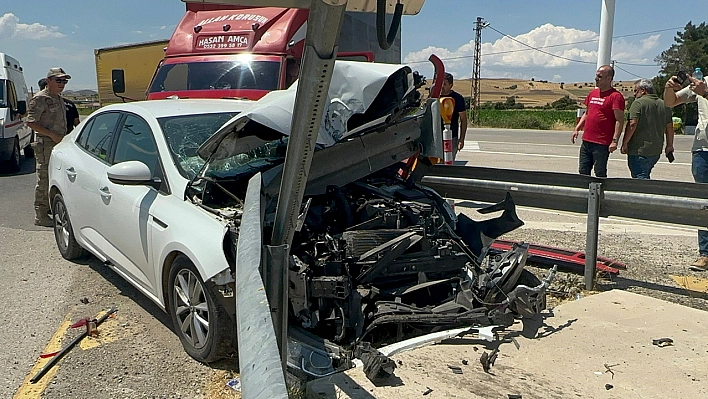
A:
(601, 124)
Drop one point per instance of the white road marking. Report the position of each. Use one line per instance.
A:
(473, 146)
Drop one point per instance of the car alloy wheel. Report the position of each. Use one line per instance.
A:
(191, 308)
(63, 232)
(205, 329)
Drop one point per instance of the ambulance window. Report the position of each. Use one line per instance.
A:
(12, 98)
(2, 93)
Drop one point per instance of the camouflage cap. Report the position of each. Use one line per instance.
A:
(57, 73)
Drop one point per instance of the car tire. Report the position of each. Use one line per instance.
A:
(64, 231)
(13, 164)
(203, 326)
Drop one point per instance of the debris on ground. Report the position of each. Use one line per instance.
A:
(427, 391)
(234, 384)
(455, 369)
(487, 359)
(609, 370)
(514, 396)
(84, 300)
(465, 362)
(662, 342)
(608, 386)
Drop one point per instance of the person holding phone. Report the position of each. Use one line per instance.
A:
(649, 121)
(695, 92)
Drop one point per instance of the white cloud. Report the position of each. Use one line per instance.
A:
(137, 32)
(509, 58)
(163, 27)
(10, 27)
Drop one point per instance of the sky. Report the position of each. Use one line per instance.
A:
(42, 34)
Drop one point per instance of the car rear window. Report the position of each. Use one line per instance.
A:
(100, 134)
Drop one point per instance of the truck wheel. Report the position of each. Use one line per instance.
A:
(13, 164)
(29, 151)
(200, 321)
(64, 232)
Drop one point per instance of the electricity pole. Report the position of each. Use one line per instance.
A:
(474, 100)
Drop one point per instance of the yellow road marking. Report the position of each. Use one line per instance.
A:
(33, 391)
(107, 333)
(691, 283)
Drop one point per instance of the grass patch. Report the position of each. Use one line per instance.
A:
(86, 111)
(527, 119)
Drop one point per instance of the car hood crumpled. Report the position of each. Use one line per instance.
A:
(354, 87)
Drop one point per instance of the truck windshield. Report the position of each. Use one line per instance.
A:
(217, 75)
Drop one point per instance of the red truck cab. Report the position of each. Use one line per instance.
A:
(222, 51)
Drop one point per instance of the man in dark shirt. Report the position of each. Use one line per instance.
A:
(72, 114)
(459, 116)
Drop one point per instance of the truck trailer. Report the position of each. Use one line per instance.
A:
(138, 59)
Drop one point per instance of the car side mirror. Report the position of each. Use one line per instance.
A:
(130, 173)
(22, 107)
(118, 80)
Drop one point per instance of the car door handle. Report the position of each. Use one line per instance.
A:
(159, 222)
(71, 173)
(105, 192)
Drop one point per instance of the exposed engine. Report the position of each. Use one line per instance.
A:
(382, 257)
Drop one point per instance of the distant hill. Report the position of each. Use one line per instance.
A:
(534, 93)
(80, 93)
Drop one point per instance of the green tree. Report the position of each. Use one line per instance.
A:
(564, 102)
(689, 51)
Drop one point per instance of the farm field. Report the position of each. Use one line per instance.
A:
(534, 93)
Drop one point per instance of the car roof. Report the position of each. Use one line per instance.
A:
(177, 107)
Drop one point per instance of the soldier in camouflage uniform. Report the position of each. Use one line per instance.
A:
(46, 115)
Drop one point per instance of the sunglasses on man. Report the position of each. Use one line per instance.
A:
(65, 81)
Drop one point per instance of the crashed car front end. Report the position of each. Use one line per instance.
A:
(377, 258)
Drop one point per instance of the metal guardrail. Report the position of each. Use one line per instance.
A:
(653, 200)
(262, 373)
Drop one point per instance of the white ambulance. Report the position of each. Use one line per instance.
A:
(15, 135)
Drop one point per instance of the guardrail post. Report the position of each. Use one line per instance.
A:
(593, 229)
(275, 279)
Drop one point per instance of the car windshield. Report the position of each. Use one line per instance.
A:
(186, 133)
(217, 75)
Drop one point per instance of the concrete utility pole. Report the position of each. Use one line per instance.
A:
(607, 21)
(474, 100)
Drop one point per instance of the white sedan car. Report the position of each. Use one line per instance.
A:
(117, 189)
(156, 190)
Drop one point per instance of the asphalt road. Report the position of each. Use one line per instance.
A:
(137, 355)
(553, 151)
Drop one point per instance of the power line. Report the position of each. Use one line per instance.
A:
(537, 49)
(640, 65)
(626, 71)
(555, 45)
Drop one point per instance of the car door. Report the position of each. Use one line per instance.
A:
(126, 220)
(83, 169)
